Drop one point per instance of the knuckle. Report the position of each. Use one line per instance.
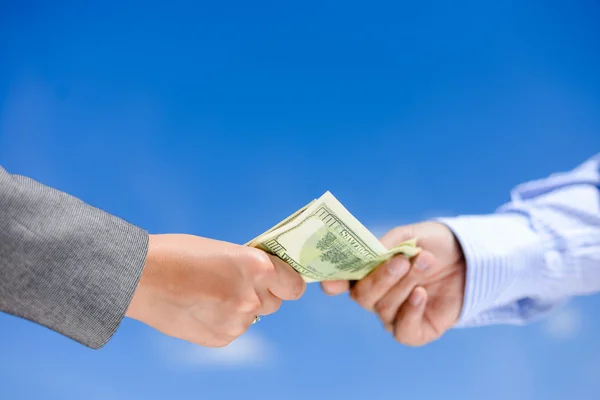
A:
(260, 262)
(196, 338)
(400, 337)
(237, 330)
(407, 338)
(395, 231)
(356, 293)
(222, 342)
(381, 308)
(380, 275)
(399, 233)
(202, 339)
(247, 305)
(277, 305)
(359, 295)
(271, 307)
(298, 288)
(386, 313)
(410, 342)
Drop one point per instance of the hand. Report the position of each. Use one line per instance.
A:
(209, 292)
(417, 303)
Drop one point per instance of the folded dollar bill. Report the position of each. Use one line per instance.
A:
(324, 241)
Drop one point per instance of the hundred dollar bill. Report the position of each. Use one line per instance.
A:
(324, 241)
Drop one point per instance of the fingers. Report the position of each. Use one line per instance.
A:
(203, 335)
(217, 326)
(409, 325)
(387, 307)
(333, 288)
(375, 285)
(236, 328)
(287, 284)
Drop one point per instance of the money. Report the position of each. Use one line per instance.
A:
(324, 241)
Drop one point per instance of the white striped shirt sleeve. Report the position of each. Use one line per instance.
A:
(534, 252)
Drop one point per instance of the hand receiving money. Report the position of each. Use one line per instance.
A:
(417, 302)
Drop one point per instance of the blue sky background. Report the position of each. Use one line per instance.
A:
(221, 118)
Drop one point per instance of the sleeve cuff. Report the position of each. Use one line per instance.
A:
(503, 258)
(64, 264)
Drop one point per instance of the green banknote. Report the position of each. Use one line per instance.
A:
(324, 241)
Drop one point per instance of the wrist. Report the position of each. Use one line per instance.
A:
(499, 250)
(138, 303)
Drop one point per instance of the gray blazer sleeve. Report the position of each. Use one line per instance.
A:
(64, 264)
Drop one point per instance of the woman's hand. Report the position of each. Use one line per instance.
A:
(209, 292)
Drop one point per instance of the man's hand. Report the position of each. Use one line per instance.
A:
(418, 302)
(209, 292)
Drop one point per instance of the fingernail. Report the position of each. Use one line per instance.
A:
(397, 267)
(416, 298)
(421, 264)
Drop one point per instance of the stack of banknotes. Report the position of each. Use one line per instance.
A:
(324, 241)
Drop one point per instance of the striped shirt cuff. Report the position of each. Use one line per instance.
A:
(503, 258)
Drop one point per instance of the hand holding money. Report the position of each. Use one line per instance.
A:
(208, 291)
(418, 301)
(323, 241)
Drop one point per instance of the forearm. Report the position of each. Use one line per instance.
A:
(534, 252)
(64, 264)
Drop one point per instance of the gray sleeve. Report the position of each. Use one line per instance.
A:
(64, 264)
